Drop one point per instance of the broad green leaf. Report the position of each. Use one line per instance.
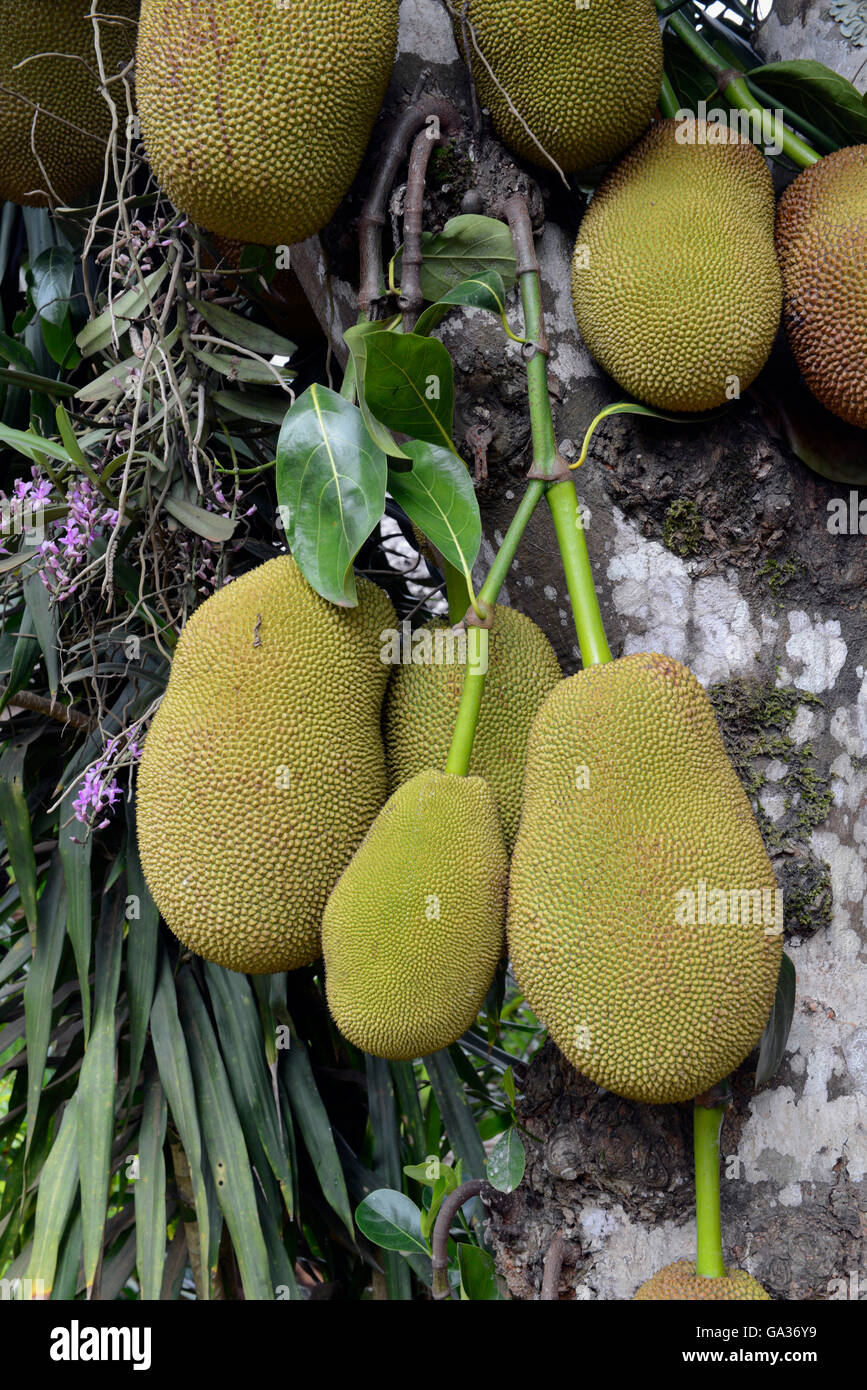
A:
(243, 331)
(15, 820)
(210, 525)
(485, 291)
(69, 1260)
(409, 386)
(39, 989)
(478, 1275)
(224, 1143)
(150, 1189)
(356, 340)
(315, 1126)
(173, 1062)
(506, 1161)
(509, 1085)
(237, 1017)
(438, 495)
(815, 91)
(467, 246)
(57, 1183)
(51, 282)
(391, 1221)
(96, 1085)
(32, 381)
(773, 1041)
(99, 332)
(331, 478)
(119, 378)
(142, 949)
(44, 620)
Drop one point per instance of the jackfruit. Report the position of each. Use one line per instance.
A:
(255, 116)
(576, 83)
(413, 931)
(54, 121)
(675, 279)
(421, 706)
(822, 244)
(263, 767)
(644, 929)
(679, 1282)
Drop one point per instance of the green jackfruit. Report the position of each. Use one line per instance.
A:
(414, 929)
(421, 706)
(675, 279)
(583, 80)
(680, 1283)
(822, 244)
(644, 926)
(255, 116)
(263, 767)
(54, 121)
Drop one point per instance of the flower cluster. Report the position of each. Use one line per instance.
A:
(23, 510)
(86, 519)
(100, 789)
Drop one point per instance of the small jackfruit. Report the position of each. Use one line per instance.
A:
(263, 767)
(679, 1283)
(255, 116)
(577, 83)
(644, 927)
(822, 245)
(413, 931)
(421, 707)
(675, 279)
(54, 121)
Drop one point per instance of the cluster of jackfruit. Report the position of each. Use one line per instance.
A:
(54, 120)
(679, 1282)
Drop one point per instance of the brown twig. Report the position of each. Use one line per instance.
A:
(411, 298)
(446, 1214)
(552, 1269)
(52, 709)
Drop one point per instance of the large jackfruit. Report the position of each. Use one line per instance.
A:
(255, 115)
(54, 121)
(414, 929)
(644, 928)
(263, 767)
(576, 83)
(421, 706)
(675, 279)
(822, 245)
(680, 1283)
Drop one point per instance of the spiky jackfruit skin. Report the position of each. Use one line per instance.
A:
(675, 279)
(255, 115)
(263, 767)
(70, 129)
(630, 804)
(680, 1283)
(584, 80)
(421, 706)
(822, 245)
(413, 931)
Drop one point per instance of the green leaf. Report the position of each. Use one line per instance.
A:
(356, 340)
(100, 332)
(24, 659)
(176, 1077)
(39, 989)
(243, 331)
(15, 820)
(97, 1084)
(391, 1221)
(410, 1110)
(478, 1275)
(57, 1183)
(773, 1042)
(239, 368)
(210, 525)
(224, 1144)
(409, 386)
(467, 246)
(485, 291)
(331, 479)
(438, 495)
(315, 1125)
(509, 1085)
(253, 405)
(45, 626)
(150, 1190)
(815, 91)
(506, 1162)
(386, 1158)
(51, 284)
(74, 847)
(457, 1117)
(142, 949)
(31, 444)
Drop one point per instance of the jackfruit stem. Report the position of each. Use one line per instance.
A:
(579, 576)
(461, 750)
(734, 88)
(668, 102)
(707, 1123)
